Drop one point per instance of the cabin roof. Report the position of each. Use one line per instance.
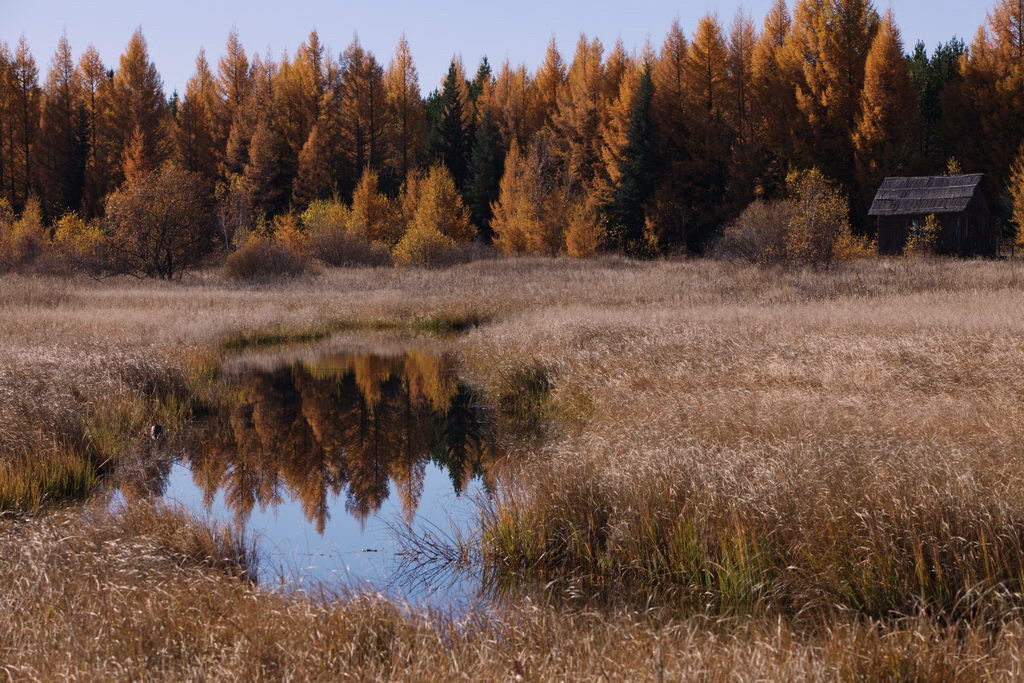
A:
(925, 195)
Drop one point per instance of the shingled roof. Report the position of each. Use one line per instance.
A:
(925, 195)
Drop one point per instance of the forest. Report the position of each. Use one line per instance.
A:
(343, 159)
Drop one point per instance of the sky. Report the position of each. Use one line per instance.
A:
(517, 30)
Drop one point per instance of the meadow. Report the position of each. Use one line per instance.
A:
(749, 473)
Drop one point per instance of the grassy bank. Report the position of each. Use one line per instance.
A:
(805, 474)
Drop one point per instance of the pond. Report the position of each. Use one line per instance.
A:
(322, 459)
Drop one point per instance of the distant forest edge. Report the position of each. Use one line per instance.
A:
(340, 158)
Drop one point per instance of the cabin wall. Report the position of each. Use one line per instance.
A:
(968, 233)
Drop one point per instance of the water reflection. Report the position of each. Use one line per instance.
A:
(361, 425)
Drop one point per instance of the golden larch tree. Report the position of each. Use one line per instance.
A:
(140, 109)
(196, 140)
(669, 105)
(374, 215)
(96, 107)
(511, 102)
(885, 138)
(23, 96)
(61, 161)
(550, 81)
(829, 45)
(406, 134)
(773, 95)
(578, 118)
(364, 116)
(313, 179)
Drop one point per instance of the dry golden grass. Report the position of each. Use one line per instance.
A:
(782, 455)
(93, 596)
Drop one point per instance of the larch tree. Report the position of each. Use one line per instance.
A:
(829, 44)
(266, 188)
(24, 100)
(139, 107)
(885, 139)
(749, 156)
(62, 144)
(364, 119)
(406, 134)
(710, 141)
(299, 86)
(440, 207)
(670, 210)
(313, 179)
(987, 104)
(616, 66)
(234, 85)
(515, 213)
(512, 102)
(196, 136)
(237, 84)
(578, 119)
(1017, 194)
(530, 214)
(374, 215)
(6, 132)
(773, 97)
(97, 108)
(550, 81)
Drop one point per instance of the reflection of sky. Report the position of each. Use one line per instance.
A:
(291, 550)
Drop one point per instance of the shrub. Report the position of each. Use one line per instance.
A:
(440, 209)
(375, 216)
(77, 245)
(422, 247)
(21, 240)
(584, 231)
(159, 223)
(326, 215)
(759, 235)
(264, 258)
(820, 220)
(289, 230)
(337, 247)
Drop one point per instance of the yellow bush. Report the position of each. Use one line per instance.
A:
(22, 241)
(422, 246)
(288, 230)
(329, 214)
(923, 237)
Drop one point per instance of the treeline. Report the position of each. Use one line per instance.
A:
(642, 153)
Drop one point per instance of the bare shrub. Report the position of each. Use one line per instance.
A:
(337, 247)
(159, 223)
(759, 234)
(264, 259)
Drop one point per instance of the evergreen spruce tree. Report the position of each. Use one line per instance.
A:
(486, 169)
(450, 140)
(637, 171)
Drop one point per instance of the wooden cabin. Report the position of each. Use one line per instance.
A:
(956, 201)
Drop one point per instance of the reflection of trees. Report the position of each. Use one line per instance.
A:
(352, 423)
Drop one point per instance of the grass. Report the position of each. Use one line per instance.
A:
(750, 474)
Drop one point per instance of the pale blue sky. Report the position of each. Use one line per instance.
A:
(518, 30)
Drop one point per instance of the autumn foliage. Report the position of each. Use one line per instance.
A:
(645, 153)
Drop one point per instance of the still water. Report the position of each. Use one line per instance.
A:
(321, 460)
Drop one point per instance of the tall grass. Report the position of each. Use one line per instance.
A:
(752, 474)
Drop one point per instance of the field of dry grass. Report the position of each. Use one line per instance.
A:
(752, 474)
